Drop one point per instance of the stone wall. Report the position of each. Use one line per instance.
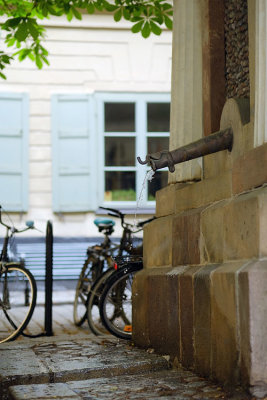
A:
(203, 294)
(236, 48)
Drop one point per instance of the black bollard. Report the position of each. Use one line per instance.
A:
(49, 279)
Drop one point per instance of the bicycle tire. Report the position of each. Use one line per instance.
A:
(93, 314)
(14, 315)
(84, 284)
(116, 301)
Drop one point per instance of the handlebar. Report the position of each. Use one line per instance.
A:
(118, 214)
(29, 224)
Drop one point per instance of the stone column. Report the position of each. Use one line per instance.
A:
(260, 122)
(186, 107)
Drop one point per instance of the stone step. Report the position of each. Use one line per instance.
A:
(159, 385)
(51, 360)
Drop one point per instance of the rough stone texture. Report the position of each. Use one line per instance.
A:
(202, 193)
(213, 64)
(163, 317)
(140, 309)
(76, 359)
(241, 228)
(249, 171)
(235, 114)
(185, 238)
(212, 223)
(224, 323)
(157, 243)
(263, 224)
(253, 321)
(186, 291)
(236, 48)
(173, 384)
(202, 320)
(165, 200)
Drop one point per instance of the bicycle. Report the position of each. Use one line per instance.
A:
(115, 303)
(18, 289)
(99, 259)
(93, 315)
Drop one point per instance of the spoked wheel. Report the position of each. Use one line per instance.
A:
(17, 301)
(93, 313)
(116, 302)
(89, 273)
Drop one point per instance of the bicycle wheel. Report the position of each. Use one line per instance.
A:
(90, 270)
(116, 302)
(17, 301)
(93, 314)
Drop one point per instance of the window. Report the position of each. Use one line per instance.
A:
(131, 125)
(14, 114)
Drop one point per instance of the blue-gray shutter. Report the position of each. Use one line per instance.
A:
(14, 114)
(73, 153)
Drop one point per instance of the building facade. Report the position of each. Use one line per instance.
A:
(70, 133)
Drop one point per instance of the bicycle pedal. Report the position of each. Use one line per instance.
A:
(128, 328)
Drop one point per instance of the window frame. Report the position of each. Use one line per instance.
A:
(140, 100)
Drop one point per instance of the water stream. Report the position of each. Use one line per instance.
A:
(149, 176)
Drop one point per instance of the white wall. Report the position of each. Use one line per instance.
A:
(90, 55)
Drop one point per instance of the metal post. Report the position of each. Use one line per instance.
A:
(49, 279)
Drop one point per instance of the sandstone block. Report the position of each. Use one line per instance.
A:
(140, 309)
(165, 201)
(250, 170)
(202, 320)
(253, 324)
(241, 228)
(163, 305)
(158, 243)
(185, 236)
(212, 222)
(202, 193)
(186, 291)
(224, 323)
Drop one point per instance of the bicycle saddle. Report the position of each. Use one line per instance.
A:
(104, 223)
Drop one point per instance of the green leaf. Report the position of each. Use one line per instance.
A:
(137, 27)
(2, 75)
(32, 29)
(10, 42)
(38, 61)
(168, 22)
(45, 60)
(126, 14)
(155, 28)
(76, 13)
(22, 32)
(12, 22)
(90, 8)
(69, 15)
(118, 15)
(110, 7)
(146, 30)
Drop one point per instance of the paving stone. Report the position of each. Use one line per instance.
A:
(159, 385)
(60, 361)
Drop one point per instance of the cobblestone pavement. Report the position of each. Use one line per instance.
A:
(74, 364)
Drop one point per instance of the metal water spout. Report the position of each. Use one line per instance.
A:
(222, 140)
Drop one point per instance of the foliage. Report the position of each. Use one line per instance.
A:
(25, 33)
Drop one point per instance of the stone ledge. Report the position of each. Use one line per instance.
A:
(250, 170)
(214, 305)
